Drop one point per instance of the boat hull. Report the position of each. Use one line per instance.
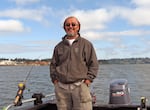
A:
(52, 106)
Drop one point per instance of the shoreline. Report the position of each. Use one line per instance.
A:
(44, 62)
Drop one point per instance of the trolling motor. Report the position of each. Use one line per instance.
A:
(19, 96)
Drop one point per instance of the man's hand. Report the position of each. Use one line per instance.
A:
(87, 82)
(55, 81)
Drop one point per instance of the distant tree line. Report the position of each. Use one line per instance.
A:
(24, 59)
(126, 61)
(103, 61)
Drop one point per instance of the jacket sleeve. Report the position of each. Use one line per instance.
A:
(91, 62)
(53, 65)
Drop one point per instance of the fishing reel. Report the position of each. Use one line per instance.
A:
(19, 96)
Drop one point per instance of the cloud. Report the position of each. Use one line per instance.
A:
(93, 19)
(30, 14)
(120, 40)
(141, 3)
(110, 35)
(12, 26)
(99, 25)
(94, 22)
(136, 17)
(25, 2)
(97, 19)
(12, 48)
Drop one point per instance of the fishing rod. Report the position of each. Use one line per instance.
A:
(19, 96)
(21, 88)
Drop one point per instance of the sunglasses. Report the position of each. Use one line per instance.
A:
(73, 24)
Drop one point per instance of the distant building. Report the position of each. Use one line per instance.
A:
(7, 62)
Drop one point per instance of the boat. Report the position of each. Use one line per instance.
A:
(100, 107)
(119, 99)
(51, 105)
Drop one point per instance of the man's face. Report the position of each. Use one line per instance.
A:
(71, 27)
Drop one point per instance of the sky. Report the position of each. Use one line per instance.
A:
(116, 28)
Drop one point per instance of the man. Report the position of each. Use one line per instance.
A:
(73, 67)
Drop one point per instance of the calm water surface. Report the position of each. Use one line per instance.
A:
(138, 76)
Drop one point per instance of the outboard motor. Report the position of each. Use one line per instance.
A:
(119, 92)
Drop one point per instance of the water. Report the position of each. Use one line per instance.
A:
(138, 76)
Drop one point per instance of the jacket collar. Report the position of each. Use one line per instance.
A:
(65, 40)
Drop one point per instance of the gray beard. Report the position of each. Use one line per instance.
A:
(71, 35)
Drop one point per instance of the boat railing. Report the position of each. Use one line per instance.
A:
(37, 98)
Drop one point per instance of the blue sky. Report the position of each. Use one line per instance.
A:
(117, 28)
